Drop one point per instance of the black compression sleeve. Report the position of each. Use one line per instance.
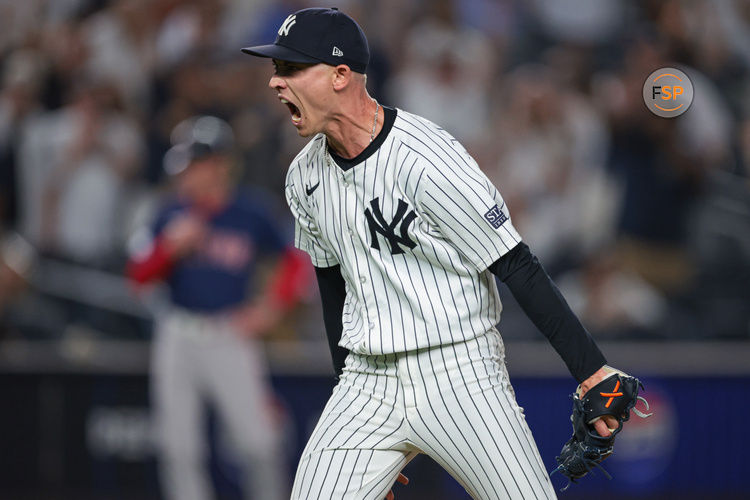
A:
(547, 309)
(333, 294)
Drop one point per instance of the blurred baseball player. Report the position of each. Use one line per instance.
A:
(205, 244)
(406, 233)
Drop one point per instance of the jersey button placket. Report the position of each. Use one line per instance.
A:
(350, 203)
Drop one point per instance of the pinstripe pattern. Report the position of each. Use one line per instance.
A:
(363, 420)
(426, 373)
(424, 166)
(453, 402)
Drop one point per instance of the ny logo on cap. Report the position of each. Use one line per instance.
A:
(288, 23)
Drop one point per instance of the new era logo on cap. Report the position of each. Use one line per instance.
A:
(337, 52)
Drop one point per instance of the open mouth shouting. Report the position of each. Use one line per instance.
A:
(294, 110)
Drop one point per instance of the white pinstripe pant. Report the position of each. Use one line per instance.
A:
(452, 402)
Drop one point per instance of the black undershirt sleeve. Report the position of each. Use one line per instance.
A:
(333, 294)
(545, 306)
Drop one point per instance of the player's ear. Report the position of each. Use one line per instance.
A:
(341, 77)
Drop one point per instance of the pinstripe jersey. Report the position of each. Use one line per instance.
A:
(414, 227)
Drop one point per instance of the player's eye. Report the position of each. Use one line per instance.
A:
(287, 69)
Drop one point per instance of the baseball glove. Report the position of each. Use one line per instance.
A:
(616, 395)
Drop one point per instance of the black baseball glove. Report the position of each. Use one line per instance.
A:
(616, 395)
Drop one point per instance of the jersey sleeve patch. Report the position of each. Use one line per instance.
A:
(495, 217)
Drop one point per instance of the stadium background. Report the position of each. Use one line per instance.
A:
(643, 222)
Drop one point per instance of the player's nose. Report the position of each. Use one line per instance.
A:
(276, 82)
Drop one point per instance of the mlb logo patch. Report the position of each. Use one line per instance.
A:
(496, 217)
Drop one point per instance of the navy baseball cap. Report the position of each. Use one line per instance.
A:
(195, 139)
(318, 35)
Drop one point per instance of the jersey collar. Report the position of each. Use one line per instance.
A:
(389, 117)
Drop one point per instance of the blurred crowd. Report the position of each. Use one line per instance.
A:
(644, 222)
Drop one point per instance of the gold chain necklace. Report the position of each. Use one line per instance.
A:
(372, 134)
(375, 121)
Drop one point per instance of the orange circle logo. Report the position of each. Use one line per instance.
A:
(668, 92)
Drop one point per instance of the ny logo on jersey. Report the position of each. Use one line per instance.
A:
(288, 23)
(378, 225)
